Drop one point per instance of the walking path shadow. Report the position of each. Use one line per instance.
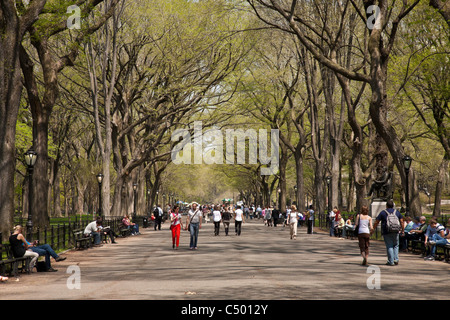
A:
(262, 263)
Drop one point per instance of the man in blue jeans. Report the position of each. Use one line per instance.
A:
(47, 251)
(391, 239)
(435, 235)
(194, 221)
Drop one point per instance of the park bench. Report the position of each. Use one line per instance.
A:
(338, 232)
(351, 233)
(443, 252)
(81, 240)
(124, 230)
(447, 253)
(7, 258)
(417, 245)
(4, 259)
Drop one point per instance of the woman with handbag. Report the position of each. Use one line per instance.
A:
(363, 228)
(175, 226)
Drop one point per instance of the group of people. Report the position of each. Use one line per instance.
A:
(432, 234)
(194, 220)
(96, 229)
(293, 218)
(396, 230)
(224, 215)
(21, 247)
(338, 226)
(273, 216)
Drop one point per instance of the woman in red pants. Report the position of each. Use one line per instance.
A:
(175, 226)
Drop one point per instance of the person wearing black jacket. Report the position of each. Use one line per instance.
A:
(226, 218)
(158, 212)
(275, 216)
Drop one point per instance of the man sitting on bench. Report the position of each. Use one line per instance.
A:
(94, 230)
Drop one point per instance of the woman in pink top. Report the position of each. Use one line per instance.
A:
(175, 226)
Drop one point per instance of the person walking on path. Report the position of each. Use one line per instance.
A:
(217, 218)
(331, 217)
(363, 228)
(311, 220)
(391, 228)
(238, 220)
(158, 212)
(226, 218)
(292, 220)
(194, 223)
(268, 217)
(175, 226)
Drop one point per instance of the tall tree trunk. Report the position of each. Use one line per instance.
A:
(387, 138)
(12, 30)
(300, 183)
(318, 145)
(282, 182)
(10, 92)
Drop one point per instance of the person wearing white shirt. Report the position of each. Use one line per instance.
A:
(332, 216)
(292, 220)
(93, 229)
(194, 221)
(217, 218)
(238, 220)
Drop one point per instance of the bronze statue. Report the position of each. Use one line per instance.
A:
(383, 186)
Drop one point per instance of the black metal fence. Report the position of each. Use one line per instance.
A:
(60, 237)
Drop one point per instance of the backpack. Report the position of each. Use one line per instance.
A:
(392, 222)
(156, 212)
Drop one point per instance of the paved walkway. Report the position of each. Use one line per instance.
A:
(261, 264)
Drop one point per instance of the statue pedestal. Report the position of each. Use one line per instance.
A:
(376, 207)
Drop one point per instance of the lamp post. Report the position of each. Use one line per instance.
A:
(296, 197)
(134, 202)
(30, 159)
(407, 164)
(157, 197)
(100, 179)
(148, 202)
(328, 185)
(279, 199)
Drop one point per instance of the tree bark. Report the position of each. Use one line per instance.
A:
(12, 30)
